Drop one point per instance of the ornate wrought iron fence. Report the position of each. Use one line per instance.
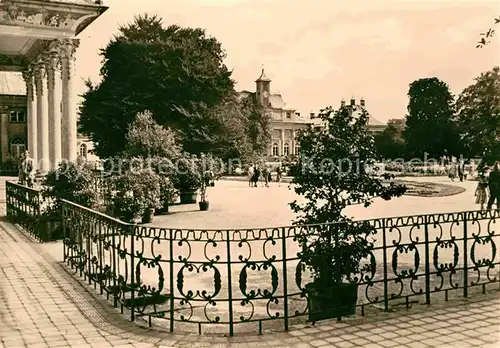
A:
(23, 207)
(239, 280)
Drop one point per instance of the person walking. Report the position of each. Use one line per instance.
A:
(256, 176)
(494, 186)
(250, 174)
(279, 172)
(481, 194)
(265, 176)
(461, 170)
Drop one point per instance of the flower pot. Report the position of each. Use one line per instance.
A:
(147, 217)
(163, 210)
(188, 197)
(336, 301)
(204, 205)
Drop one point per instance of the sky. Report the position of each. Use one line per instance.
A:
(317, 52)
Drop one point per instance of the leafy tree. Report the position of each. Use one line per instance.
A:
(478, 115)
(390, 143)
(429, 124)
(146, 138)
(333, 174)
(176, 73)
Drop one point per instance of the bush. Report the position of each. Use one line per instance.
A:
(133, 193)
(73, 182)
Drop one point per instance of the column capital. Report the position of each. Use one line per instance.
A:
(39, 74)
(67, 47)
(51, 61)
(30, 83)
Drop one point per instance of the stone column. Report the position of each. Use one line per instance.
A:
(28, 76)
(54, 99)
(4, 126)
(42, 114)
(282, 142)
(292, 150)
(69, 119)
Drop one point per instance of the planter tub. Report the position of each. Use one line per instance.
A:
(147, 217)
(333, 302)
(163, 210)
(188, 197)
(204, 205)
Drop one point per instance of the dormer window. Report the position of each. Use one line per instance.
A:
(288, 114)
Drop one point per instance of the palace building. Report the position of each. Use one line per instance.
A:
(286, 121)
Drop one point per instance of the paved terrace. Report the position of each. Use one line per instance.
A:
(42, 305)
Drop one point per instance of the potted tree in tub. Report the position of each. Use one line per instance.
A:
(137, 195)
(187, 178)
(333, 176)
(211, 168)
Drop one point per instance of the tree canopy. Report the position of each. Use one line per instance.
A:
(478, 116)
(176, 73)
(429, 123)
(390, 142)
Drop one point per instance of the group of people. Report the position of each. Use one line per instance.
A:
(457, 169)
(262, 173)
(488, 188)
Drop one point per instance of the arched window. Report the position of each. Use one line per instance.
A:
(297, 150)
(83, 150)
(17, 147)
(286, 149)
(275, 150)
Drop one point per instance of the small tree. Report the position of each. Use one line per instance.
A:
(333, 175)
(146, 138)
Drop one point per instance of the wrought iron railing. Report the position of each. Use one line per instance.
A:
(252, 279)
(23, 207)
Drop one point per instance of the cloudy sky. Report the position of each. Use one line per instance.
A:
(319, 51)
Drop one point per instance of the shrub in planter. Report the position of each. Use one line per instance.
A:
(72, 181)
(333, 175)
(167, 193)
(211, 169)
(136, 194)
(187, 178)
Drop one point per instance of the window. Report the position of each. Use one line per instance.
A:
(297, 150)
(275, 149)
(288, 114)
(286, 149)
(17, 147)
(17, 116)
(83, 150)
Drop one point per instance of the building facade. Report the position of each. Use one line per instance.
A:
(286, 121)
(37, 46)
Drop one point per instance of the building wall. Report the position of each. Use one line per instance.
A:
(9, 130)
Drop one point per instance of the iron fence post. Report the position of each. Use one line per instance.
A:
(100, 252)
(466, 255)
(229, 283)
(171, 276)
(285, 279)
(113, 245)
(427, 261)
(384, 256)
(131, 231)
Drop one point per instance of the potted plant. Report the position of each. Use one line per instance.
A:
(167, 194)
(332, 174)
(187, 179)
(71, 181)
(211, 168)
(137, 195)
